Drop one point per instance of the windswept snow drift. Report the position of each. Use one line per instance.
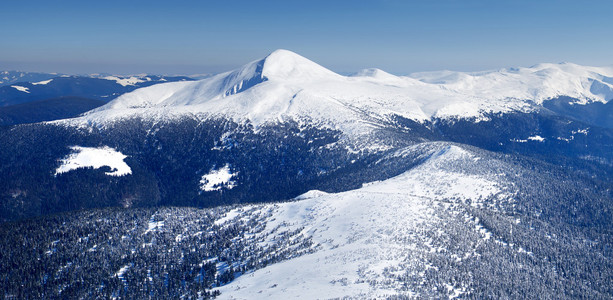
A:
(84, 157)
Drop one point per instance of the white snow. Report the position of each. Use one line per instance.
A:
(154, 225)
(582, 131)
(362, 233)
(122, 271)
(285, 86)
(218, 179)
(21, 88)
(83, 157)
(536, 83)
(311, 194)
(42, 82)
(125, 81)
(380, 76)
(229, 216)
(536, 138)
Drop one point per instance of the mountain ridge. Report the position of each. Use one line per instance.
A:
(286, 85)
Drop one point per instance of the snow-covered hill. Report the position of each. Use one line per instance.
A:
(370, 238)
(285, 85)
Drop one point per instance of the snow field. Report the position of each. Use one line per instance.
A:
(83, 157)
(217, 180)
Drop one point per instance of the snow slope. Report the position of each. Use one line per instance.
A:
(537, 83)
(285, 85)
(367, 236)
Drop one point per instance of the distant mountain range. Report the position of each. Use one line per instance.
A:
(283, 179)
(47, 110)
(286, 85)
(34, 90)
(105, 88)
(10, 77)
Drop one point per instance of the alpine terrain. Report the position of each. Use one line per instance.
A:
(35, 97)
(282, 179)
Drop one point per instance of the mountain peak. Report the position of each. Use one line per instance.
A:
(285, 64)
(281, 65)
(285, 84)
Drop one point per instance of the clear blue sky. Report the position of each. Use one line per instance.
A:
(211, 36)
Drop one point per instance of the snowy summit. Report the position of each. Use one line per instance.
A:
(285, 85)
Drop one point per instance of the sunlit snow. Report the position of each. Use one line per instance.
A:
(364, 235)
(536, 138)
(218, 179)
(154, 225)
(21, 88)
(83, 157)
(42, 82)
(311, 194)
(125, 81)
(285, 85)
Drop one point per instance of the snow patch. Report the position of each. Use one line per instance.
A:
(154, 225)
(83, 157)
(124, 81)
(229, 216)
(218, 179)
(21, 88)
(122, 271)
(536, 138)
(42, 82)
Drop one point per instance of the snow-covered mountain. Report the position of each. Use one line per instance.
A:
(310, 127)
(287, 85)
(98, 87)
(11, 77)
(37, 97)
(435, 185)
(537, 83)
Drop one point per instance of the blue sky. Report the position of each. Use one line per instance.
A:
(213, 36)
